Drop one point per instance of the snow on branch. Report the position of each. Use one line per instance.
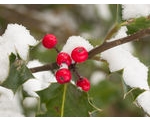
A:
(135, 73)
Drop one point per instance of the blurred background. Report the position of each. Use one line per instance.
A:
(91, 22)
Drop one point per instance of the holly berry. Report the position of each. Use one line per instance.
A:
(49, 41)
(63, 57)
(63, 75)
(84, 84)
(79, 54)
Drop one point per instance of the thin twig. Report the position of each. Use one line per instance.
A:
(46, 67)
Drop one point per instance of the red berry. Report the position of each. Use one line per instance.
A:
(79, 54)
(63, 57)
(63, 75)
(49, 41)
(84, 84)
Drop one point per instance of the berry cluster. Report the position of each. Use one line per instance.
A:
(65, 62)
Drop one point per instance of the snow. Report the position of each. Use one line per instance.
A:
(16, 39)
(113, 55)
(44, 76)
(31, 86)
(75, 41)
(41, 81)
(120, 34)
(63, 65)
(97, 77)
(135, 73)
(135, 10)
(4, 63)
(117, 58)
(144, 101)
(9, 106)
(103, 11)
(30, 102)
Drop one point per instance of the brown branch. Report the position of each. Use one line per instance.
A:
(46, 67)
(108, 45)
(99, 49)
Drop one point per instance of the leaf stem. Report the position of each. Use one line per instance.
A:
(112, 31)
(117, 13)
(63, 100)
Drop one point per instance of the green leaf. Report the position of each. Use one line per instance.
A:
(138, 24)
(12, 58)
(104, 93)
(134, 92)
(18, 74)
(75, 101)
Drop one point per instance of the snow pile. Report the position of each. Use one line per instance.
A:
(144, 101)
(17, 40)
(135, 10)
(9, 105)
(135, 73)
(30, 103)
(41, 81)
(75, 41)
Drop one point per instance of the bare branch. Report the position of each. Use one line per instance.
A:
(108, 45)
(46, 67)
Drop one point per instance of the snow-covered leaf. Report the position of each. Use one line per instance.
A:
(16, 40)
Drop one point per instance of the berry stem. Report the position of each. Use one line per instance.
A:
(76, 72)
(56, 49)
(74, 69)
(63, 100)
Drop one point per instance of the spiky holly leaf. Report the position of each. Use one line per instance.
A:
(56, 96)
(138, 24)
(18, 74)
(134, 92)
